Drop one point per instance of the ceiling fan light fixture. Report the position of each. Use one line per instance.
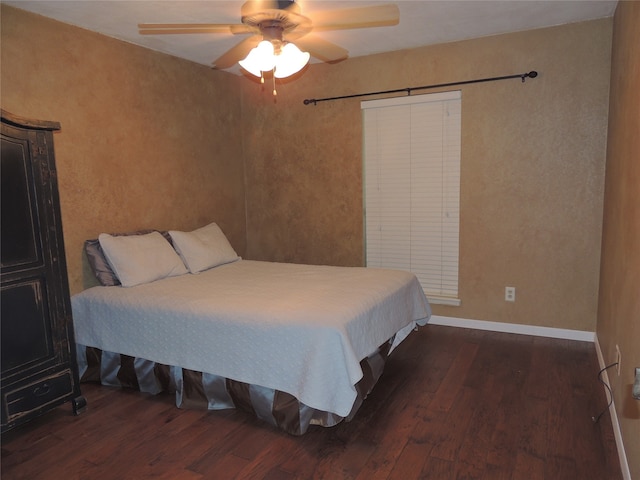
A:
(263, 58)
(291, 60)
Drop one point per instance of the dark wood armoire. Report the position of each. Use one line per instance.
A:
(39, 369)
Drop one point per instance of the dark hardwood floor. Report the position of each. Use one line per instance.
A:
(452, 404)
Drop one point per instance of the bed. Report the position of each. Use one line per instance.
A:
(296, 345)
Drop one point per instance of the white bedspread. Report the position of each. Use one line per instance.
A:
(300, 329)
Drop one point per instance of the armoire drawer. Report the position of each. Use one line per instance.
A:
(38, 394)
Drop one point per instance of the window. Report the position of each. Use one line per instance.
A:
(412, 188)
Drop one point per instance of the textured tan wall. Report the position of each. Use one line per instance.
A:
(145, 139)
(533, 159)
(619, 307)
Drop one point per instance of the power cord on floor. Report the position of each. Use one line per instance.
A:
(597, 419)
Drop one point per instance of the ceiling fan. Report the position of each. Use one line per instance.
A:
(278, 23)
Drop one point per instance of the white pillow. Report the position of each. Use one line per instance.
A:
(138, 259)
(204, 248)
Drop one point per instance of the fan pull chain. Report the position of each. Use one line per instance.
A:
(274, 83)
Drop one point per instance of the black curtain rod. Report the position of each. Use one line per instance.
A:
(523, 76)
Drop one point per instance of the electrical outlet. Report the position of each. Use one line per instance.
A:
(509, 294)
(618, 359)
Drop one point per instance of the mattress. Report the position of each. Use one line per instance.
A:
(299, 329)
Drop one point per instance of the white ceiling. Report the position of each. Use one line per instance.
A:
(421, 22)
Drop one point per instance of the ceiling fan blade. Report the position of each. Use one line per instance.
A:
(186, 28)
(236, 53)
(359, 17)
(241, 28)
(322, 49)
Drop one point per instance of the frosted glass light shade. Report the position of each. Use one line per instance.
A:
(291, 60)
(263, 59)
(260, 59)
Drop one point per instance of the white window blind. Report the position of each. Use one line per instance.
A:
(412, 188)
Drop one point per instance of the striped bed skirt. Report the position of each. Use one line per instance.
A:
(198, 390)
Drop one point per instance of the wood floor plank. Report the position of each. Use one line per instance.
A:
(450, 386)
(199, 442)
(411, 461)
(344, 460)
(496, 472)
(528, 467)
(390, 441)
(220, 442)
(438, 469)
(451, 404)
(275, 449)
(454, 429)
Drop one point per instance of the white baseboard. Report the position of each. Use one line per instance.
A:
(624, 464)
(579, 335)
